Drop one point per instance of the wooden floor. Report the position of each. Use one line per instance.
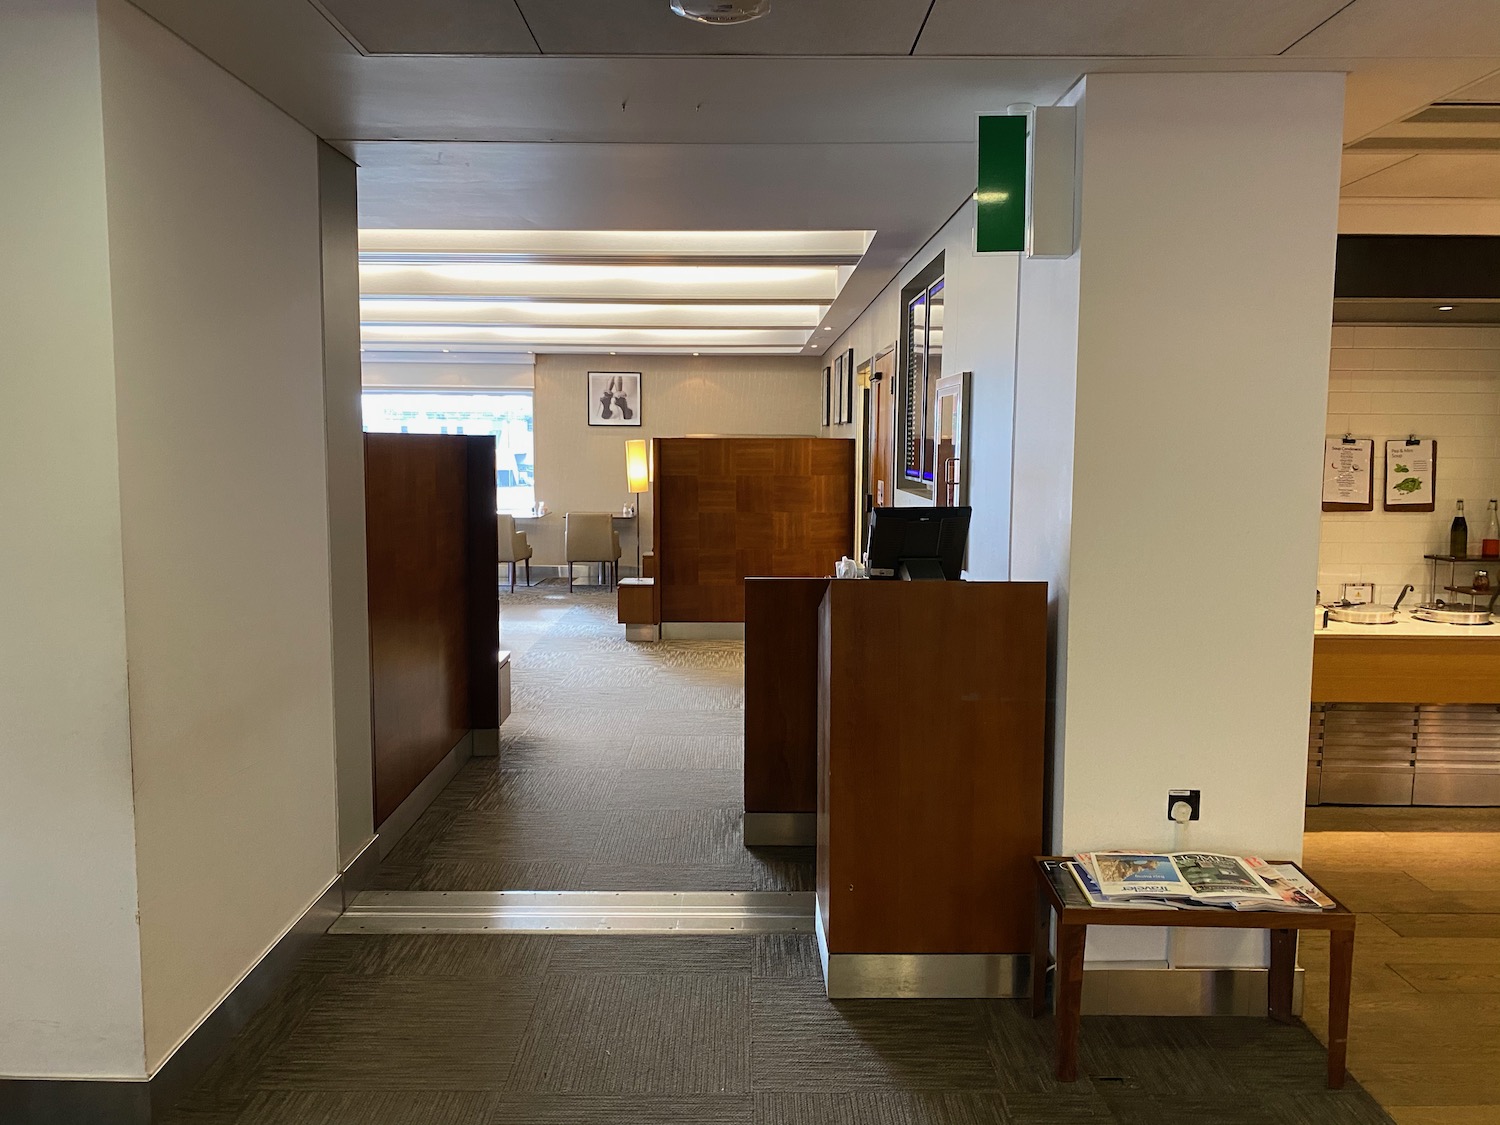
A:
(1424, 1030)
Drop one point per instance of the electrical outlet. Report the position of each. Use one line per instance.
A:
(1189, 797)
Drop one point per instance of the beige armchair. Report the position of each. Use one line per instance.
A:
(513, 548)
(591, 537)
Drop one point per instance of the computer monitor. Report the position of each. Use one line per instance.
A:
(918, 543)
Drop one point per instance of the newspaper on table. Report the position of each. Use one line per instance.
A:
(1194, 879)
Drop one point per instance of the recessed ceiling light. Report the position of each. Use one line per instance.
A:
(1445, 308)
(721, 11)
(695, 353)
(827, 328)
(445, 351)
(613, 353)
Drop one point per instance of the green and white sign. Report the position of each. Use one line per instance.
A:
(1001, 196)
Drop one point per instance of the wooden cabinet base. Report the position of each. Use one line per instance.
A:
(931, 715)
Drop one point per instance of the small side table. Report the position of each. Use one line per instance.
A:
(1058, 894)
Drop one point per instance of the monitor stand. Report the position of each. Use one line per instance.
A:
(921, 570)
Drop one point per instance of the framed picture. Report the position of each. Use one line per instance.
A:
(838, 391)
(849, 381)
(827, 396)
(614, 398)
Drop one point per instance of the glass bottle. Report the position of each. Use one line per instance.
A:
(1491, 549)
(1458, 534)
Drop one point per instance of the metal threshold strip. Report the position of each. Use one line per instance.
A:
(578, 912)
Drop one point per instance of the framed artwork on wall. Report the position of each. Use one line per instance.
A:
(849, 380)
(827, 396)
(614, 398)
(838, 390)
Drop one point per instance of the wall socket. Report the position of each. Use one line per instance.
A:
(1190, 797)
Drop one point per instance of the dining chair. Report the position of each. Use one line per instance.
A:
(513, 547)
(590, 537)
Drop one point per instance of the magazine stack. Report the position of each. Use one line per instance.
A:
(1176, 880)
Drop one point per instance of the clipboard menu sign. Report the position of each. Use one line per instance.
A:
(1410, 475)
(1348, 484)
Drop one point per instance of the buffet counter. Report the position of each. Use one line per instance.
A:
(1403, 714)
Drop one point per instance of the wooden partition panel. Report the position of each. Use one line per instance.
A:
(931, 717)
(781, 694)
(728, 508)
(434, 603)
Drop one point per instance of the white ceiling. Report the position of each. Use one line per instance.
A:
(816, 117)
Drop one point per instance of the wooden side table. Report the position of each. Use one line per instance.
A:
(1058, 894)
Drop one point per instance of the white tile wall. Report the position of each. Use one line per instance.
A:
(1437, 382)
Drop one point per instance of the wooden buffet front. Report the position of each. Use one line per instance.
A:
(1397, 669)
(727, 508)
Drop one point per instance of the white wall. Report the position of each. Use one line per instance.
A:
(582, 467)
(216, 265)
(344, 435)
(446, 376)
(70, 988)
(1208, 220)
(979, 335)
(1440, 382)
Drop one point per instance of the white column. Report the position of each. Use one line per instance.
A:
(70, 969)
(1170, 407)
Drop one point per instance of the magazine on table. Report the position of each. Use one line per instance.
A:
(1194, 879)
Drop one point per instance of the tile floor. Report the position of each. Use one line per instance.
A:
(1424, 1024)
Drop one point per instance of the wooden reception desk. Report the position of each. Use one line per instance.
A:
(931, 765)
(909, 719)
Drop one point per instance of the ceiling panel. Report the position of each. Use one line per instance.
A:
(1486, 90)
(1358, 165)
(432, 27)
(794, 27)
(1120, 27)
(1435, 176)
(1408, 29)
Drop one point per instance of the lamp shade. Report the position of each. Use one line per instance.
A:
(636, 475)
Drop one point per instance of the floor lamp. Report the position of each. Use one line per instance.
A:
(637, 481)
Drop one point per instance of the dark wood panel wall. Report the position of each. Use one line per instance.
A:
(781, 694)
(434, 602)
(729, 508)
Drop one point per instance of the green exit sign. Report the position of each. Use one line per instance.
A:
(1001, 196)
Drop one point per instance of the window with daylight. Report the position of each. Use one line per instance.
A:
(506, 414)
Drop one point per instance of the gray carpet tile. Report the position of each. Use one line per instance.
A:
(653, 954)
(404, 1033)
(556, 835)
(587, 790)
(638, 1033)
(1080, 1104)
(289, 1107)
(480, 957)
(654, 837)
(678, 789)
(239, 1070)
(520, 875)
(687, 751)
(801, 1041)
(787, 957)
(690, 877)
(883, 1107)
(553, 1109)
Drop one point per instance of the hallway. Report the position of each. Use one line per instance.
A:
(620, 770)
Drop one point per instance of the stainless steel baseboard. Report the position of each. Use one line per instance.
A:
(399, 823)
(918, 976)
(486, 742)
(1180, 992)
(360, 871)
(780, 829)
(578, 912)
(40, 1101)
(703, 630)
(643, 632)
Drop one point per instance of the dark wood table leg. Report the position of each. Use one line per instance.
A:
(1340, 976)
(1041, 951)
(1282, 975)
(1067, 997)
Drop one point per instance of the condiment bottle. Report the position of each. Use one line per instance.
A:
(1458, 535)
(1491, 541)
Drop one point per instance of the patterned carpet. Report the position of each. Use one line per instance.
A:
(619, 770)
